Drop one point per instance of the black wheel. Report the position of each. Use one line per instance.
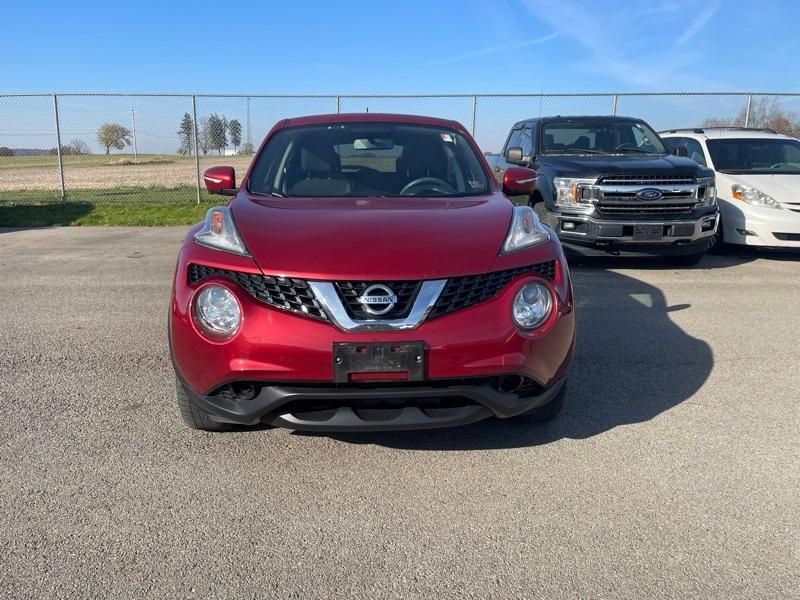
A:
(548, 412)
(686, 260)
(194, 417)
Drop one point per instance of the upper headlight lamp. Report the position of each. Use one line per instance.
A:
(753, 196)
(525, 230)
(219, 232)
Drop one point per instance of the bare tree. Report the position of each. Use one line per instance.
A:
(79, 147)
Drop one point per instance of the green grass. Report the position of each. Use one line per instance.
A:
(87, 213)
(122, 206)
(87, 160)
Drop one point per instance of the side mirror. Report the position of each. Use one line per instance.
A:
(680, 151)
(515, 156)
(220, 180)
(518, 181)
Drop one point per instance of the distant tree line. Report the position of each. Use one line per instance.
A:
(764, 113)
(214, 133)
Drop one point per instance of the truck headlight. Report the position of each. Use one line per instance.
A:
(532, 306)
(575, 194)
(752, 196)
(218, 311)
(707, 193)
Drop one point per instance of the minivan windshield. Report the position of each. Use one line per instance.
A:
(755, 155)
(368, 159)
(601, 136)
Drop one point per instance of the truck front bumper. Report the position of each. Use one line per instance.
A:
(589, 234)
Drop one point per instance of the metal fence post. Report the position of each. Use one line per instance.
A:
(58, 150)
(338, 104)
(196, 148)
(474, 113)
(614, 105)
(747, 112)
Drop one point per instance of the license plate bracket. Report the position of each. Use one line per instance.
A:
(378, 357)
(648, 233)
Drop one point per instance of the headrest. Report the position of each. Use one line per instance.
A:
(312, 162)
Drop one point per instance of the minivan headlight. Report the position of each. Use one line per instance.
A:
(753, 196)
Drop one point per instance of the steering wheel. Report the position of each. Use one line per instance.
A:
(778, 165)
(433, 184)
(625, 145)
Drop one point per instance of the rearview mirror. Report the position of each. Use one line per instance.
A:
(220, 180)
(518, 181)
(514, 156)
(680, 151)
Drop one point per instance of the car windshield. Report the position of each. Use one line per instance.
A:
(599, 137)
(368, 159)
(755, 155)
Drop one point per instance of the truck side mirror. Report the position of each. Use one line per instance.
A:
(515, 157)
(680, 151)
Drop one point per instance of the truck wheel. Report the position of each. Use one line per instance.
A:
(686, 260)
(548, 412)
(194, 417)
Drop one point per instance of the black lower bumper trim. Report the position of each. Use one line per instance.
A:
(375, 408)
(634, 249)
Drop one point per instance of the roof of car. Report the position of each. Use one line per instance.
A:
(371, 118)
(608, 118)
(722, 133)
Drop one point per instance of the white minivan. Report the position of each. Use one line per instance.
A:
(758, 181)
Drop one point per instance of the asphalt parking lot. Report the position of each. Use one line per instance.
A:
(674, 471)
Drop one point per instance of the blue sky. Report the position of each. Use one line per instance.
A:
(412, 46)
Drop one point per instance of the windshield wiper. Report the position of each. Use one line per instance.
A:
(575, 151)
(636, 150)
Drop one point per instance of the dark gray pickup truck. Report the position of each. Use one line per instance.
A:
(610, 185)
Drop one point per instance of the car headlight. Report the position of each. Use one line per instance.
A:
(707, 193)
(532, 306)
(575, 194)
(218, 311)
(219, 232)
(753, 196)
(525, 230)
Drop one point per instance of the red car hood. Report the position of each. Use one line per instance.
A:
(373, 238)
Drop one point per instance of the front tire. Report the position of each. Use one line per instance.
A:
(686, 260)
(548, 412)
(194, 417)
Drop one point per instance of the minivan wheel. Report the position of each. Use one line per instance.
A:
(548, 412)
(194, 417)
(686, 260)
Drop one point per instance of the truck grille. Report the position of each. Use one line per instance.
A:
(289, 294)
(618, 196)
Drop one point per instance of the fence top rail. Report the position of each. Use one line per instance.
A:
(333, 96)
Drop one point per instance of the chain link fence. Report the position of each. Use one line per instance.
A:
(152, 148)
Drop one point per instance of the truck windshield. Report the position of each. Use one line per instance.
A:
(599, 137)
(755, 155)
(368, 159)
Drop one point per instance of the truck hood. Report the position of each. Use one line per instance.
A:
(373, 238)
(596, 165)
(785, 188)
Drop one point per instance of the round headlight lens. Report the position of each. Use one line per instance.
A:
(532, 306)
(218, 310)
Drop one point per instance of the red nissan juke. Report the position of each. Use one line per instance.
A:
(370, 274)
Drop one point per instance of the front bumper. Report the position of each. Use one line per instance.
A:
(758, 226)
(432, 404)
(289, 358)
(590, 234)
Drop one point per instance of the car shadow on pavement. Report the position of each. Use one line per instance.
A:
(631, 363)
